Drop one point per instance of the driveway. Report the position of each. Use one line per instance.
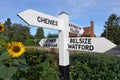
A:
(114, 51)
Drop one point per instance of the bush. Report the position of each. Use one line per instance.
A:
(42, 66)
(1, 41)
(87, 66)
(29, 42)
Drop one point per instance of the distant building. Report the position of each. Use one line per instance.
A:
(88, 31)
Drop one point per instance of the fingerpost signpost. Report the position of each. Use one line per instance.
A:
(64, 43)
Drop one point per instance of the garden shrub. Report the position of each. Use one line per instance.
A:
(29, 42)
(94, 66)
(42, 65)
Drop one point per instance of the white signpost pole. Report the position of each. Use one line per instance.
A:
(63, 51)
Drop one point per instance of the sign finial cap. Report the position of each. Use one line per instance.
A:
(63, 12)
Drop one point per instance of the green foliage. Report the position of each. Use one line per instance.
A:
(39, 34)
(42, 66)
(1, 41)
(112, 29)
(11, 66)
(7, 27)
(87, 66)
(19, 32)
(7, 72)
(29, 42)
(16, 32)
(52, 35)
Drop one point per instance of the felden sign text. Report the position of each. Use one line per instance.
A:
(76, 29)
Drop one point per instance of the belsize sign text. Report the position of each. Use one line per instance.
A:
(83, 44)
(35, 18)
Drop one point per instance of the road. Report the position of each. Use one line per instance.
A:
(114, 51)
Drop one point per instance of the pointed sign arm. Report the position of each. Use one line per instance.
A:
(35, 18)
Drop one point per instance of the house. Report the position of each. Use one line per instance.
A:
(88, 31)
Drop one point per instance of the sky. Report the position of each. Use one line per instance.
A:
(80, 12)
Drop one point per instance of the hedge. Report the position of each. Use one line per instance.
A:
(94, 66)
(43, 65)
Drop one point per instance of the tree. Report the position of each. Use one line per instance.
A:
(112, 28)
(39, 34)
(7, 27)
(19, 32)
(52, 35)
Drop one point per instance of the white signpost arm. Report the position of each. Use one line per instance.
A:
(35, 18)
(63, 51)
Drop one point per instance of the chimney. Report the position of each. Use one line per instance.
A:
(92, 27)
(92, 24)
